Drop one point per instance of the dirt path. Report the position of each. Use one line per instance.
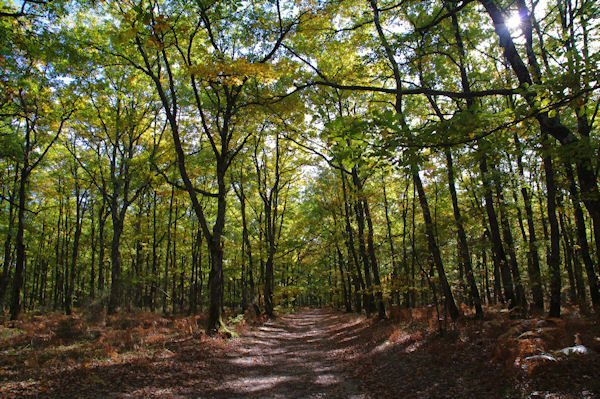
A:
(308, 354)
(294, 356)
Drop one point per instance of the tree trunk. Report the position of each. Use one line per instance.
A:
(508, 239)
(93, 250)
(433, 247)
(373, 260)
(215, 280)
(499, 257)
(155, 278)
(552, 126)
(345, 291)
(583, 248)
(102, 215)
(15, 300)
(578, 272)
(554, 258)
(8, 250)
(463, 246)
(359, 284)
(388, 224)
(568, 252)
(533, 269)
(116, 287)
(168, 253)
(75, 252)
(362, 250)
(215, 287)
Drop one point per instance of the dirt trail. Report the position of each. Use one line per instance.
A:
(294, 356)
(308, 354)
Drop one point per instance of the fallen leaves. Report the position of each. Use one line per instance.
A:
(63, 356)
(146, 355)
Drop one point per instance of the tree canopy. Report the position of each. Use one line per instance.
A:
(251, 155)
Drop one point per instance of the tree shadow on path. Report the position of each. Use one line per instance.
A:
(295, 356)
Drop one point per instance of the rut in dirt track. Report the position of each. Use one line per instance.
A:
(294, 356)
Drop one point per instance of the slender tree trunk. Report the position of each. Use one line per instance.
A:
(345, 291)
(373, 260)
(247, 247)
(56, 279)
(568, 252)
(102, 215)
(79, 213)
(174, 260)
(15, 300)
(554, 259)
(433, 247)
(578, 272)
(8, 250)
(388, 224)
(168, 253)
(139, 260)
(583, 248)
(93, 250)
(463, 246)
(499, 257)
(404, 281)
(362, 250)
(533, 270)
(270, 241)
(155, 277)
(359, 283)
(116, 287)
(508, 239)
(196, 269)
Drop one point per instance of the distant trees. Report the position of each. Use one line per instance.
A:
(379, 153)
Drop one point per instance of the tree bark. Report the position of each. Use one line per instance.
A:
(463, 246)
(433, 247)
(8, 250)
(583, 248)
(79, 213)
(15, 300)
(368, 298)
(499, 257)
(533, 270)
(554, 258)
(359, 283)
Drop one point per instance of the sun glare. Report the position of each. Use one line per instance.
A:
(513, 22)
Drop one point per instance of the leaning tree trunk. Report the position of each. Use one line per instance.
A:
(499, 257)
(463, 246)
(433, 247)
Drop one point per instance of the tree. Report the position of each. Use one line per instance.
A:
(115, 128)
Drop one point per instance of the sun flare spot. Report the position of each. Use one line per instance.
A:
(513, 22)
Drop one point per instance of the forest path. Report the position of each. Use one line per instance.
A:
(294, 356)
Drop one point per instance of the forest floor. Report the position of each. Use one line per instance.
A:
(312, 353)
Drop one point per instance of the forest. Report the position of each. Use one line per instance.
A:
(215, 169)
